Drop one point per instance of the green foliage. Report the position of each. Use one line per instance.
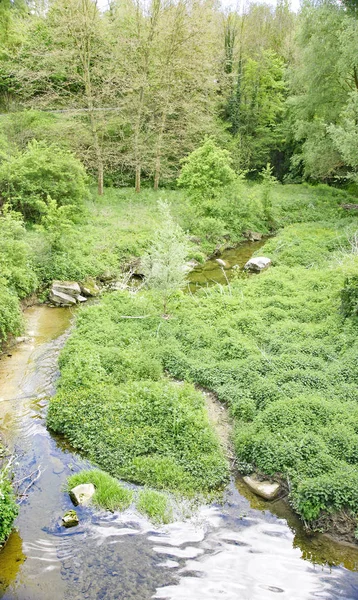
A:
(115, 404)
(10, 313)
(42, 172)
(155, 505)
(15, 260)
(349, 297)
(109, 494)
(268, 183)
(8, 507)
(205, 170)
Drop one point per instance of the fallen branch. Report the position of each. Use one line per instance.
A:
(24, 494)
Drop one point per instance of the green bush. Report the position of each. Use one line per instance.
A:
(28, 179)
(8, 507)
(16, 267)
(349, 297)
(10, 313)
(205, 170)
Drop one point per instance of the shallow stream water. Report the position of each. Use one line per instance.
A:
(245, 549)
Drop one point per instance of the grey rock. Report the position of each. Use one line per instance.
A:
(257, 264)
(70, 519)
(61, 299)
(71, 288)
(81, 299)
(82, 494)
(266, 489)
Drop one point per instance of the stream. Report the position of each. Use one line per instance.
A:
(244, 549)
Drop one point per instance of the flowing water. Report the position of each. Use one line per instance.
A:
(245, 549)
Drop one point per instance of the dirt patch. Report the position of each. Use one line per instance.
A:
(221, 421)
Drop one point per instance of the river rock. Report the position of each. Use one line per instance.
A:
(82, 494)
(221, 262)
(253, 236)
(71, 288)
(257, 264)
(89, 288)
(61, 299)
(70, 519)
(265, 489)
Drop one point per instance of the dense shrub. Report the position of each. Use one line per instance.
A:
(16, 268)
(28, 179)
(349, 297)
(8, 507)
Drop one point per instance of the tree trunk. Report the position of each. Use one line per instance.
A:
(158, 155)
(137, 178)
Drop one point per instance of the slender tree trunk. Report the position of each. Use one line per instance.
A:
(158, 155)
(137, 178)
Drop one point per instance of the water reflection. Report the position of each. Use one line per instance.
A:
(11, 559)
(211, 272)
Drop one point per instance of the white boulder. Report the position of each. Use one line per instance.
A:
(82, 494)
(257, 264)
(265, 489)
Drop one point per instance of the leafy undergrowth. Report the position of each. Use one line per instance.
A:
(116, 405)
(8, 506)
(275, 348)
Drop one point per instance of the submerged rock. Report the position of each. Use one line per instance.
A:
(70, 519)
(61, 299)
(257, 264)
(82, 494)
(265, 489)
(221, 262)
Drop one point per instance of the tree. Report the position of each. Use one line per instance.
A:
(324, 78)
(164, 263)
(78, 23)
(205, 170)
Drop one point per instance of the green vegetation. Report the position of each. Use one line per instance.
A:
(29, 179)
(115, 404)
(274, 348)
(155, 505)
(8, 507)
(109, 494)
